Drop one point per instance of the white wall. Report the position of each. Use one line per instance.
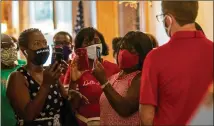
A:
(156, 28)
(205, 17)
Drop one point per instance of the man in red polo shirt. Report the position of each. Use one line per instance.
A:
(176, 76)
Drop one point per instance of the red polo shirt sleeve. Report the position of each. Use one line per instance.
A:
(149, 81)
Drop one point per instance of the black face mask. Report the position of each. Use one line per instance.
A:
(40, 56)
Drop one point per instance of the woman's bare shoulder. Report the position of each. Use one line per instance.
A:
(16, 77)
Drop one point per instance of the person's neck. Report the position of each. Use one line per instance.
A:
(4, 67)
(31, 67)
(187, 27)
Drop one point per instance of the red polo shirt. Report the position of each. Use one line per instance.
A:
(176, 76)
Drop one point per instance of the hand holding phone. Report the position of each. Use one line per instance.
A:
(83, 63)
(57, 55)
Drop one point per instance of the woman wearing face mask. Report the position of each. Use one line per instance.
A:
(120, 101)
(63, 39)
(34, 93)
(83, 81)
(8, 65)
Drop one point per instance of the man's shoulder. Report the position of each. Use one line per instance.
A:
(209, 42)
(159, 51)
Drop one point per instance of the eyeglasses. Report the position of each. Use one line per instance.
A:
(160, 17)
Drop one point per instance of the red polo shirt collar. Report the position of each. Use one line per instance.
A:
(187, 34)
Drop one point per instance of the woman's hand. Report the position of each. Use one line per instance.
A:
(75, 97)
(51, 74)
(99, 72)
(75, 74)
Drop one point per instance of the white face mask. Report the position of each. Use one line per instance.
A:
(91, 51)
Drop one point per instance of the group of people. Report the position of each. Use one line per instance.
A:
(146, 85)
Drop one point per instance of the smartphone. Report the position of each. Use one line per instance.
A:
(83, 63)
(57, 55)
(98, 52)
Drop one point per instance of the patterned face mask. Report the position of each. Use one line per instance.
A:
(8, 56)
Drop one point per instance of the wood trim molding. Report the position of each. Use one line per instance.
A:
(146, 14)
(54, 15)
(23, 15)
(107, 22)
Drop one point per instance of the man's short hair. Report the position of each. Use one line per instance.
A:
(185, 12)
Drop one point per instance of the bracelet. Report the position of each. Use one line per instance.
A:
(104, 85)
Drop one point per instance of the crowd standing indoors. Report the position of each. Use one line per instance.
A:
(147, 84)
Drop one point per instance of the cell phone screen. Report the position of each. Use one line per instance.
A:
(57, 53)
(98, 53)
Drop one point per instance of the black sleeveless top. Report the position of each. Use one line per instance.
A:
(50, 114)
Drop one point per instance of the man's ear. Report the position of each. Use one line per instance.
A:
(168, 20)
(172, 19)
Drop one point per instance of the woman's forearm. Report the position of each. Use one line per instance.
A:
(34, 107)
(118, 103)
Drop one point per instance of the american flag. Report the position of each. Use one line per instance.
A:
(79, 19)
